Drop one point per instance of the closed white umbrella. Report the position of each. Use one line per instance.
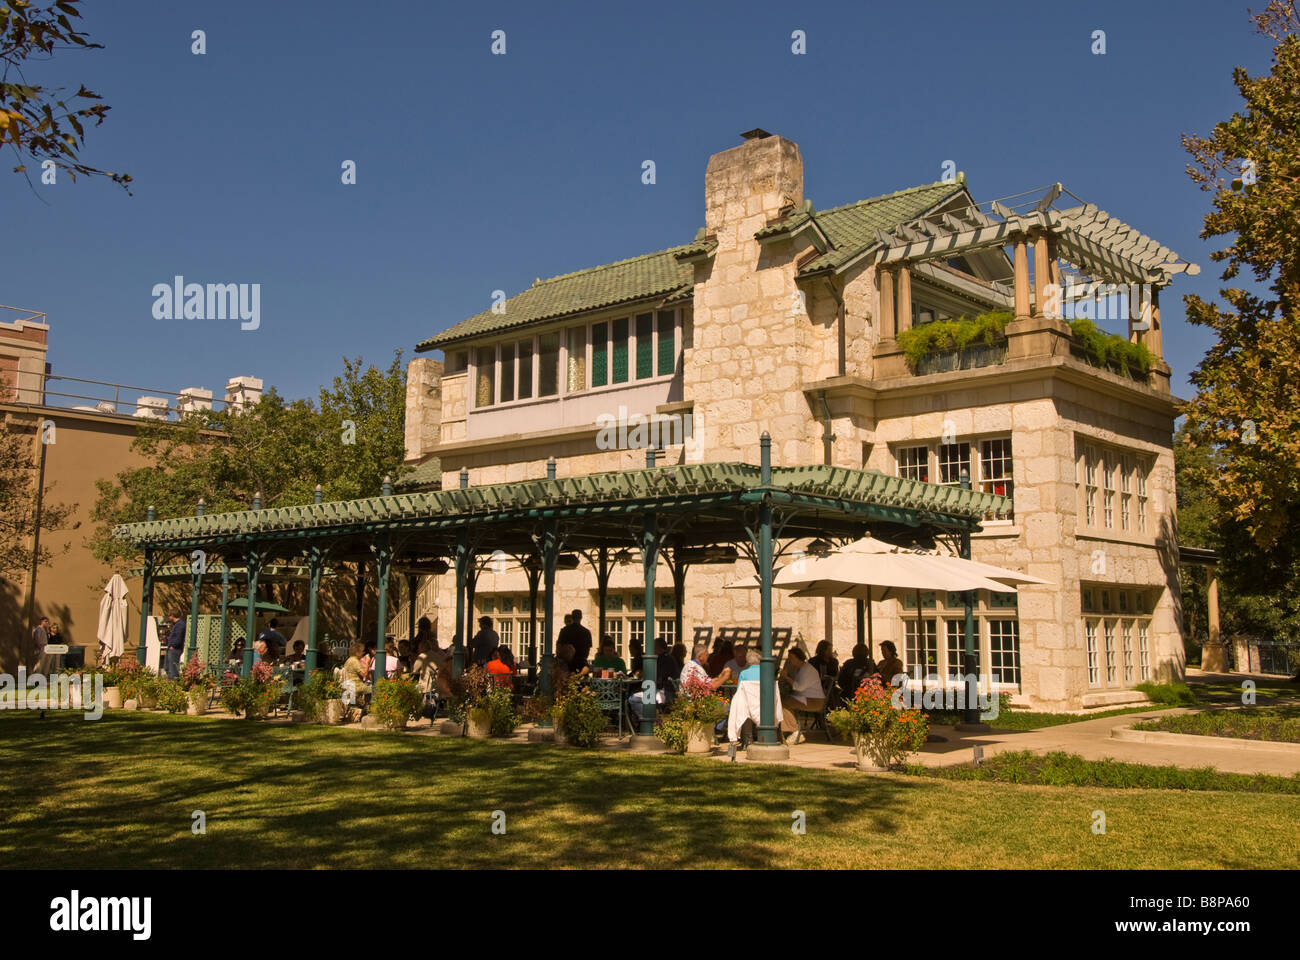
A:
(112, 618)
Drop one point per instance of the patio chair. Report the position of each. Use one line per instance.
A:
(609, 697)
(816, 719)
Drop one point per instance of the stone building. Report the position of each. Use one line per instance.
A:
(783, 318)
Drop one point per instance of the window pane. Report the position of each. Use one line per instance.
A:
(457, 361)
(599, 354)
(485, 391)
(645, 346)
(577, 378)
(914, 463)
(507, 372)
(667, 344)
(548, 361)
(525, 369)
(922, 652)
(620, 351)
(1004, 650)
(953, 459)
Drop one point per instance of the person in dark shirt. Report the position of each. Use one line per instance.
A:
(175, 644)
(484, 642)
(825, 661)
(274, 640)
(856, 669)
(579, 637)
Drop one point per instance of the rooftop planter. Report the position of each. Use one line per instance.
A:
(960, 344)
(1110, 351)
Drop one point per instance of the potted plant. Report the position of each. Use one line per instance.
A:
(141, 685)
(197, 682)
(882, 734)
(577, 716)
(170, 695)
(688, 726)
(395, 702)
(469, 702)
(502, 717)
(113, 687)
(254, 694)
(321, 698)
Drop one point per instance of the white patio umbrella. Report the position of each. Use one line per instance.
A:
(112, 618)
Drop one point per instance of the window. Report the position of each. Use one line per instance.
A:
(614, 627)
(506, 631)
(1089, 600)
(485, 379)
(1002, 600)
(923, 654)
(576, 378)
(507, 372)
(599, 354)
(1142, 498)
(928, 600)
(525, 369)
(1090, 630)
(1108, 495)
(1004, 650)
(548, 362)
(1126, 642)
(956, 628)
(667, 343)
(667, 629)
(914, 463)
(1144, 661)
(1125, 492)
(636, 633)
(645, 354)
(995, 466)
(1123, 601)
(620, 351)
(1108, 626)
(457, 361)
(1090, 486)
(953, 459)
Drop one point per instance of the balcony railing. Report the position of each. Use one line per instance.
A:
(968, 358)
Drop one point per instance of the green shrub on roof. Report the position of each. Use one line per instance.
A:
(940, 336)
(1111, 350)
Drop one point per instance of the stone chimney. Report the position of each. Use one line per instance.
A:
(423, 406)
(242, 392)
(151, 408)
(745, 360)
(193, 399)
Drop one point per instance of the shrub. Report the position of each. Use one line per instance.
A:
(469, 691)
(396, 701)
(313, 694)
(1175, 694)
(577, 712)
(696, 708)
(942, 335)
(171, 695)
(254, 694)
(877, 728)
(501, 711)
(196, 676)
(533, 709)
(140, 685)
(1110, 349)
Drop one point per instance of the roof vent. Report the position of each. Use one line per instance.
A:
(758, 133)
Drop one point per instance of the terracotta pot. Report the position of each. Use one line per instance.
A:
(333, 711)
(113, 698)
(479, 725)
(700, 739)
(198, 702)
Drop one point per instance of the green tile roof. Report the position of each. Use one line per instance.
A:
(845, 488)
(426, 475)
(650, 275)
(669, 274)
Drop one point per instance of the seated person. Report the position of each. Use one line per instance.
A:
(261, 651)
(236, 658)
(299, 654)
(889, 666)
(275, 642)
(738, 662)
(508, 658)
(745, 711)
(679, 657)
(697, 669)
(723, 651)
(856, 669)
(563, 671)
(607, 659)
(804, 693)
(636, 655)
(355, 670)
(498, 669)
(825, 661)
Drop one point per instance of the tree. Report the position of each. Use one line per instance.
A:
(278, 448)
(36, 122)
(19, 476)
(1246, 411)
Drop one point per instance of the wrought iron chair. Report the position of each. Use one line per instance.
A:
(609, 697)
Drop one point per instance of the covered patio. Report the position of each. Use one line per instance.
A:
(680, 514)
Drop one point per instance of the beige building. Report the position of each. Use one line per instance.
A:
(783, 318)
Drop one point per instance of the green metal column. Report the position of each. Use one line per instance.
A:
(224, 636)
(361, 598)
(602, 591)
(146, 606)
(767, 731)
(383, 571)
(463, 560)
(862, 621)
(198, 566)
(679, 595)
(970, 657)
(649, 671)
(534, 578)
(250, 624)
(550, 557)
(315, 567)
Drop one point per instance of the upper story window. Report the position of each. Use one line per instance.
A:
(914, 463)
(1120, 474)
(630, 349)
(989, 462)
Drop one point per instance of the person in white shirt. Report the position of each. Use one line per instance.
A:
(696, 668)
(801, 690)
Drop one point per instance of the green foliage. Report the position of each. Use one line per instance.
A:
(577, 712)
(254, 695)
(1059, 769)
(171, 696)
(1174, 694)
(36, 121)
(396, 701)
(876, 727)
(1111, 350)
(18, 478)
(1255, 723)
(469, 691)
(942, 335)
(141, 686)
(501, 712)
(278, 448)
(319, 688)
(697, 708)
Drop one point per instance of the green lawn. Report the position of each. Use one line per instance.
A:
(119, 792)
(1249, 723)
(1028, 720)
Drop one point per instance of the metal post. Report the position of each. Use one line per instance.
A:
(550, 557)
(649, 668)
(146, 606)
(361, 597)
(315, 567)
(970, 666)
(463, 560)
(534, 578)
(412, 585)
(862, 621)
(224, 636)
(198, 566)
(767, 730)
(383, 570)
(250, 624)
(602, 591)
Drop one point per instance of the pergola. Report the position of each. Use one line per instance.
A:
(686, 513)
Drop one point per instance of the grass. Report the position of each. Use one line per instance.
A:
(119, 792)
(1058, 769)
(1029, 720)
(1280, 723)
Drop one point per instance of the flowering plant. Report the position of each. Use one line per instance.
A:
(469, 692)
(196, 676)
(694, 713)
(878, 729)
(312, 695)
(254, 694)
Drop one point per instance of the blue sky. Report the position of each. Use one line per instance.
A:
(477, 172)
